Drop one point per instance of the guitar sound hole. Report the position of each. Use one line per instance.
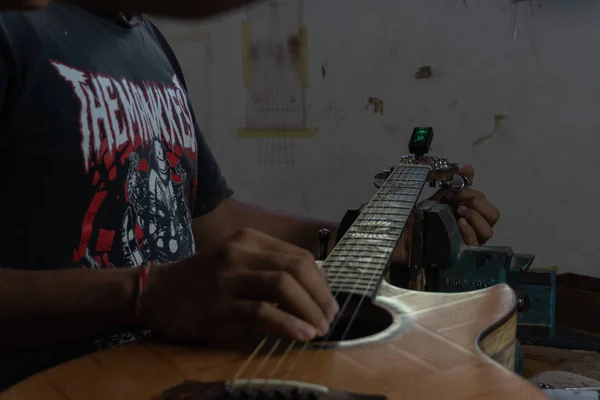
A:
(369, 320)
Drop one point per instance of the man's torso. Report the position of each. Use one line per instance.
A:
(97, 144)
(98, 152)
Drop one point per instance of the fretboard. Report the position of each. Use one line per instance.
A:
(361, 258)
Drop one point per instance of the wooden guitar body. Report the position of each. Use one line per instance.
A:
(403, 345)
(432, 346)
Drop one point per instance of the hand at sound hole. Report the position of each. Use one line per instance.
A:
(217, 294)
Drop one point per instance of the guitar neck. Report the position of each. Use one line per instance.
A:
(359, 261)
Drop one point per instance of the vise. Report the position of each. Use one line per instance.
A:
(439, 261)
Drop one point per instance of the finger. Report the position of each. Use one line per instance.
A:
(483, 207)
(282, 288)
(462, 196)
(468, 233)
(266, 318)
(468, 172)
(322, 270)
(447, 194)
(258, 240)
(482, 228)
(305, 272)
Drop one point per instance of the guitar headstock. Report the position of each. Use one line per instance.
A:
(443, 173)
(441, 169)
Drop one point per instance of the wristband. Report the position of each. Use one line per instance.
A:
(140, 290)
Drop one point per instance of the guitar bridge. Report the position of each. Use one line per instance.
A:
(258, 389)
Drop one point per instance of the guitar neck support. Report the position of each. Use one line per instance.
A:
(439, 262)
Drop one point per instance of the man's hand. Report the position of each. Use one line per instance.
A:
(251, 282)
(477, 216)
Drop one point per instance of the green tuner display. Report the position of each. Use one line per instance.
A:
(420, 141)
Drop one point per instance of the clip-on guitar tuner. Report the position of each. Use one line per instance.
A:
(444, 174)
(439, 261)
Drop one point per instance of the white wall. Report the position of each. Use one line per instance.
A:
(540, 167)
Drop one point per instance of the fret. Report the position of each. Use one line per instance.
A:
(406, 181)
(384, 215)
(369, 260)
(353, 261)
(355, 279)
(385, 208)
(386, 202)
(359, 260)
(390, 204)
(375, 222)
(359, 279)
(369, 244)
(357, 252)
(406, 188)
(403, 197)
(367, 217)
(379, 236)
(352, 248)
(394, 190)
(391, 230)
(347, 268)
(350, 241)
(420, 171)
(361, 290)
(354, 269)
(371, 282)
(387, 211)
(348, 275)
(353, 264)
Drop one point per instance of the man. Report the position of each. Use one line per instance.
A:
(103, 166)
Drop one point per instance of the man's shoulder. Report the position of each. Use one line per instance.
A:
(39, 16)
(166, 48)
(21, 28)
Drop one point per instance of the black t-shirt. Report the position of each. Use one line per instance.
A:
(102, 163)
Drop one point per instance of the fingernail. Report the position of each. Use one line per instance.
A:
(335, 308)
(323, 327)
(463, 222)
(462, 209)
(324, 275)
(306, 331)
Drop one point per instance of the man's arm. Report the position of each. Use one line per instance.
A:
(233, 215)
(44, 307)
(478, 217)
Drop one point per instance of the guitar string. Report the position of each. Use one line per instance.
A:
(341, 312)
(305, 346)
(331, 329)
(275, 89)
(272, 47)
(338, 318)
(347, 331)
(362, 298)
(265, 360)
(294, 342)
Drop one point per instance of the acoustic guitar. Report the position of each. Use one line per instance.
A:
(387, 342)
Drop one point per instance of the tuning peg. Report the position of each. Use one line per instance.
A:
(324, 236)
(458, 183)
(380, 178)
